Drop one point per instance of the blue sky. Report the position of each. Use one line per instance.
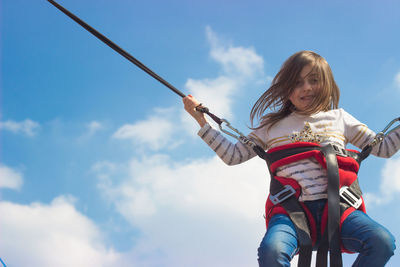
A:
(100, 165)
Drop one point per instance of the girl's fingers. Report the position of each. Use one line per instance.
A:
(190, 102)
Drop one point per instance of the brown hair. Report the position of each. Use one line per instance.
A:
(276, 98)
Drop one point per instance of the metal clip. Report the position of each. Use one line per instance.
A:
(339, 151)
(239, 136)
(282, 195)
(381, 135)
(378, 138)
(349, 197)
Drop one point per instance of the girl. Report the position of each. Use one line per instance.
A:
(304, 100)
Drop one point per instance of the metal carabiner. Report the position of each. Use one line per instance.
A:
(381, 135)
(237, 134)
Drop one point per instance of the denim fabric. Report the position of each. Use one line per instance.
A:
(359, 233)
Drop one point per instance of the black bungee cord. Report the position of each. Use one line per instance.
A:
(236, 134)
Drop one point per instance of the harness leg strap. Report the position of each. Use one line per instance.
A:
(335, 254)
(322, 252)
(299, 219)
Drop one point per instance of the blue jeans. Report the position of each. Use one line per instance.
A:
(359, 233)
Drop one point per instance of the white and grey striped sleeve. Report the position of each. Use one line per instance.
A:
(389, 146)
(361, 136)
(229, 152)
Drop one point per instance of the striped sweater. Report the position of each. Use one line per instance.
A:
(335, 126)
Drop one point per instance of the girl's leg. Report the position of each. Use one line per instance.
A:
(374, 243)
(279, 244)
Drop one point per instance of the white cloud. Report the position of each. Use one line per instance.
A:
(189, 207)
(51, 235)
(27, 127)
(241, 67)
(235, 60)
(154, 132)
(397, 80)
(390, 183)
(192, 212)
(217, 94)
(391, 176)
(10, 178)
(93, 127)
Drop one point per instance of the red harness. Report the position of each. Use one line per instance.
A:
(342, 167)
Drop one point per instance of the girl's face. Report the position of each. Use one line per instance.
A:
(306, 89)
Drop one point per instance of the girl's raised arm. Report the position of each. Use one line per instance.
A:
(229, 152)
(190, 104)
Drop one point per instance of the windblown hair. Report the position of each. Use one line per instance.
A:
(276, 98)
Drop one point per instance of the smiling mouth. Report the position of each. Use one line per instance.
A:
(309, 97)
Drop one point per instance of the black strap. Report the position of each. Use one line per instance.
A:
(300, 221)
(322, 252)
(280, 154)
(330, 240)
(205, 110)
(365, 152)
(335, 253)
(284, 153)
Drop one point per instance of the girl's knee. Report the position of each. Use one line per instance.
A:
(279, 243)
(383, 241)
(273, 255)
(268, 251)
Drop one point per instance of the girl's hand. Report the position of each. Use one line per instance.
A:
(190, 104)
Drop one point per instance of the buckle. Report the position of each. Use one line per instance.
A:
(282, 195)
(349, 197)
(340, 151)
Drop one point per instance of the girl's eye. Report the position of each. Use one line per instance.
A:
(314, 81)
(299, 83)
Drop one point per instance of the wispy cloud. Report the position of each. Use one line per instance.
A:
(397, 80)
(204, 199)
(10, 178)
(217, 94)
(169, 200)
(236, 61)
(26, 127)
(390, 183)
(93, 127)
(155, 132)
(44, 233)
(241, 67)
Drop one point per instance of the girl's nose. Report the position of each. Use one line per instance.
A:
(307, 86)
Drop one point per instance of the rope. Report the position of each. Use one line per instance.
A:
(116, 48)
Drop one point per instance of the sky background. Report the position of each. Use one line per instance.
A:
(100, 165)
